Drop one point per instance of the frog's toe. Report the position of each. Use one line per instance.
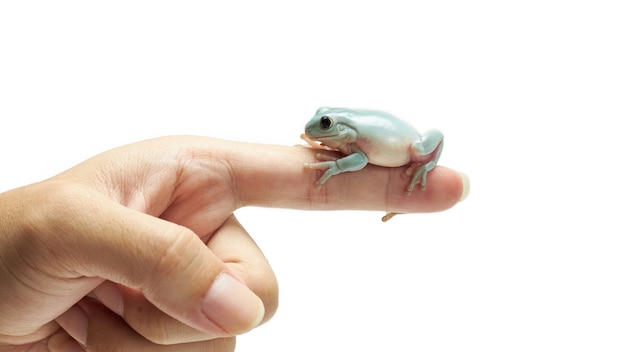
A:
(410, 170)
(409, 189)
(319, 166)
(325, 157)
(419, 177)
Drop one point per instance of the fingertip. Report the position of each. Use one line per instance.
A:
(466, 186)
(232, 306)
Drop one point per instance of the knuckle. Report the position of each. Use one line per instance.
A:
(56, 201)
(52, 211)
(173, 255)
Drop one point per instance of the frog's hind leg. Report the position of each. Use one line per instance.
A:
(428, 150)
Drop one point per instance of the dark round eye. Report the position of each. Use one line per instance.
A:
(326, 122)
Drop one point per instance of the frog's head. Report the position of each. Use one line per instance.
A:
(331, 126)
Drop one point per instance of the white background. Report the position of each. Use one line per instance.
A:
(530, 95)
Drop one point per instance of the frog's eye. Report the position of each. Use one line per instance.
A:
(326, 122)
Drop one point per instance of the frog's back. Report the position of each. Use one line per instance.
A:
(385, 138)
(379, 124)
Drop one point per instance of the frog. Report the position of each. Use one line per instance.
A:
(371, 137)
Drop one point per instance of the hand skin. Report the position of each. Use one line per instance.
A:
(138, 248)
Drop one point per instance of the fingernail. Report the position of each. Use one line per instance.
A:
(75, 322)
(232, 306)
(466, 186)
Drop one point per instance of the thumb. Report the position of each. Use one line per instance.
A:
(168, 263)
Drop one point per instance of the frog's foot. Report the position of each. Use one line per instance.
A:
(388, 216)
(410, 170)
(331, 169)
(328, 163)
(353, 162)
(418, 173)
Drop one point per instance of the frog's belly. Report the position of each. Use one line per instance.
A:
(389, 154)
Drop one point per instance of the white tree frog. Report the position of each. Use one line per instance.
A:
(375, 137)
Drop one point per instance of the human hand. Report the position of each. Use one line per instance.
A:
(138, 247)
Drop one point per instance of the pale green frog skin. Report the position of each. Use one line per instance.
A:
(374, 137)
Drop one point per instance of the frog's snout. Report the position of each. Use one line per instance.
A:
(307, 130)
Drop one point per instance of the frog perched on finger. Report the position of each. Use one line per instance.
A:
(375, 137)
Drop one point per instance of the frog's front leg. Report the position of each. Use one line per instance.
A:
(426, 152)
(352, 162)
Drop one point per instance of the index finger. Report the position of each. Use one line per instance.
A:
(184, 179)
(274, 176)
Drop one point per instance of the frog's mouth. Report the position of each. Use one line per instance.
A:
(319, 138)
(327, 137)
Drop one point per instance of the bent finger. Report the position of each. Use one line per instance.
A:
(243, 259)
(236, 248)
(166, 262)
